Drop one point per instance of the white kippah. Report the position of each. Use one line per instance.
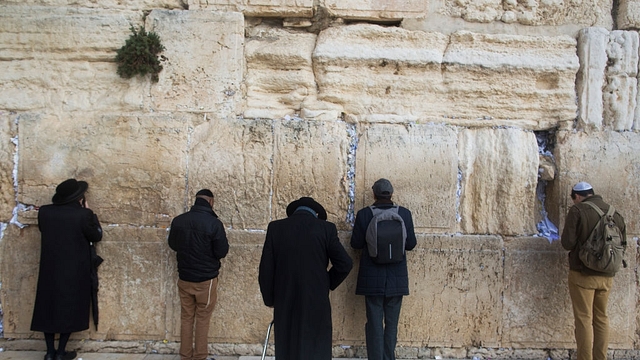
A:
(582, 186)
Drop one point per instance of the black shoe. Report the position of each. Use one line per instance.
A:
(49, 357)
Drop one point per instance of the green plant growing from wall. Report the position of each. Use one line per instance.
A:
(139, 55)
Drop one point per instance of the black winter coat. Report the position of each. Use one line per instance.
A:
(200, 241)
(376, 279)
(63, 293)
(294, 279)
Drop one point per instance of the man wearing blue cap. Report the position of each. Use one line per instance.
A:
(588, 288)
(199, 239)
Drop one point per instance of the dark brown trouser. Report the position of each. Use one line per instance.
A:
(197, 302)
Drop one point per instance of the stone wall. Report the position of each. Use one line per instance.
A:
(483, 114)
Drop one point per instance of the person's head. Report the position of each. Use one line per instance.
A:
(581, 191)
(307, 204)
(205, 194)
(69, 190)
(382, 189)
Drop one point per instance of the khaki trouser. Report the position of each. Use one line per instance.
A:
(589, 296)
(197, 302)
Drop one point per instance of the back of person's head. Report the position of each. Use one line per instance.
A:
(204, 195)
(583, 189)
(382, 189)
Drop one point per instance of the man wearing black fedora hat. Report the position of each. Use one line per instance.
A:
(63, 296)
(294, 279)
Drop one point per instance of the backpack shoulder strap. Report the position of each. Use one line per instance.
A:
(597, 209)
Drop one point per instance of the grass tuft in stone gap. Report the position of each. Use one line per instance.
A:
(139, 55)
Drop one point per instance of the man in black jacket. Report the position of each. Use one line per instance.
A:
(383, 285)
(200, 241)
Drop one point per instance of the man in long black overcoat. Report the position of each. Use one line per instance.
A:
(63, 295)
(294, 279)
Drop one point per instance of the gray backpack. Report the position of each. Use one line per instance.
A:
(604, 249)
(386, 236)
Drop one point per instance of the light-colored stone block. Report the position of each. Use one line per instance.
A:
(376, 72)
(423, 168)
(310, 159)
(204, 69)
(376, 10)
(537, 309)
(133, 283)
(20, 258)
(279, 72)
(62, 60)
(628, 14)
(104, 4)
(499, 178)
(135, 165)
(622, 52)
(592, 45)
(233, 159)
(535, 12)
(258, 8)
(609, 161)
(8, 134)
(456, 290)
(619, 98)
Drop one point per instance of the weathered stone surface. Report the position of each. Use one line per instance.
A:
(65, 62)
(376, 10)
(19, 256)
(238, 170)
(142, 159)
(204, 69)
(609, 161)
(8, 133)
(423, 171)
(537, 309)
(537, 12)
(105, 4)
(592, 45)
(134, 282)
(456, 289)
(375, 72)
(628, 14)
(498, 191)
(619, 94)
(280, 8)
(279, 72)
(310, 159)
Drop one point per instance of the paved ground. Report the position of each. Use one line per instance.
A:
(38, 355)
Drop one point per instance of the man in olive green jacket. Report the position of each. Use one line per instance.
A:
(589, 289)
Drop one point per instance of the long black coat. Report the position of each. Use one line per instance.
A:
(294, 280)
(63, 295)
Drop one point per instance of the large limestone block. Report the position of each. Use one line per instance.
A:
(530, 79)
(135, 165)
(592, 44)
(61, 59)
(279, 72)
(628, 14)
(377, 73)
(373, 70)
(232, 157)
(204, 69)
(537, 309)
(376, 10)
(267, 8)
(20, 258)
(134, 283)
(499, 179)
(535, 12)
(609, 161)
(310, 159)
(456, 291)
(104, 4)
(421, 161)
(8, 134)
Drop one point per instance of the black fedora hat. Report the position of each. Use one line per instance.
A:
(310, 203)
(69, 190)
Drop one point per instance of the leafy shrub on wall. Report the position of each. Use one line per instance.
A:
(139, 55)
